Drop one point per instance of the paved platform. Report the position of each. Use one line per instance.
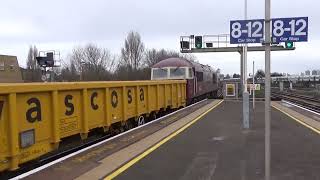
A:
(215, 147)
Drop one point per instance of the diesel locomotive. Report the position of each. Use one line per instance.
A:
(202, 80)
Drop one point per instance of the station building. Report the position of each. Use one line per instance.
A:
(9, 69)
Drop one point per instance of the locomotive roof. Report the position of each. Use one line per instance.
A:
(173, 62)
(180, 62)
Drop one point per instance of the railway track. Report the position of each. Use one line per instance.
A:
(308, 102)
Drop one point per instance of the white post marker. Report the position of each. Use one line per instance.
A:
(267, 88)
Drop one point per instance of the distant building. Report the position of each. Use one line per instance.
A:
(307, 73)
(9, 69)
(314, 72)
(302, 74)
(318, 72)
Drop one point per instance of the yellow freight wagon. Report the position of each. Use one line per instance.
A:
(35, 116)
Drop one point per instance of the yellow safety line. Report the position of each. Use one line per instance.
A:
(298, 120)
(154, 147)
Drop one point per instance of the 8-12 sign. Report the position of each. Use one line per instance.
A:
(246, 31)
(293, 29)
(290, 29)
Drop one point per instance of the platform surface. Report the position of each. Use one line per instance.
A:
(216, 147)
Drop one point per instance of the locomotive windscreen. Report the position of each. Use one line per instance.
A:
(172, 73)
(159, 73)
(178, 73)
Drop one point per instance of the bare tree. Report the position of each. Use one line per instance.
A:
(153, 56)
(189, 57)
(33, 72)
(259, 74)
(92, 62)
(132, 52)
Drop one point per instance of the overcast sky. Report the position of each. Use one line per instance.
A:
(64, 24)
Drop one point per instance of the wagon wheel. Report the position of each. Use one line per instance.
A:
(129, 125)
(153, 116)
(141, 120)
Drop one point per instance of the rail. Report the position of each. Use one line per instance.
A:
(303, 100)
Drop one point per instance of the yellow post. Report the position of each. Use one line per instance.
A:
(107, 112)
(165, 97)
(184, 92)
(172, 96)
(55, 119)
(124, 103)
(177, 95)
(13, 132)
(148, 99)
(137, 101)
(85, 119)
(158, 97)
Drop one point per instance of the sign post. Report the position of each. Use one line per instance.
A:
(245, 96)
(267, 88)
(253, 95)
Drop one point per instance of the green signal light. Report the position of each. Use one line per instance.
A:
(289, 44)
(198, 42)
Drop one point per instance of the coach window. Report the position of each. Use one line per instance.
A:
(159, 73)
(199, 76)
(178, 73)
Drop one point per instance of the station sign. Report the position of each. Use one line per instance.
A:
(246, 31)
(230, 90)
(290, 29)
(256, 87)
(293, 29)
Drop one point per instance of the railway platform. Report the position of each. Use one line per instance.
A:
(204, 142)
(216, 147)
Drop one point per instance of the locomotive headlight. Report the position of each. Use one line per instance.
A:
(27, 138)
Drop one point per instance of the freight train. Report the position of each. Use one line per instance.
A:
(35, 118)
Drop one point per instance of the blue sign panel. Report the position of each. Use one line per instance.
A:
(290, 29)
(246, 31)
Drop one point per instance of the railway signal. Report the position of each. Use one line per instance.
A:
(184, 44)
(289, 44)
(48, 59)
(198, 42)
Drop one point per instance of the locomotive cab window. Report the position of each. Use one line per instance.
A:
(159, 73)
(199, 76)
(178, 73)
